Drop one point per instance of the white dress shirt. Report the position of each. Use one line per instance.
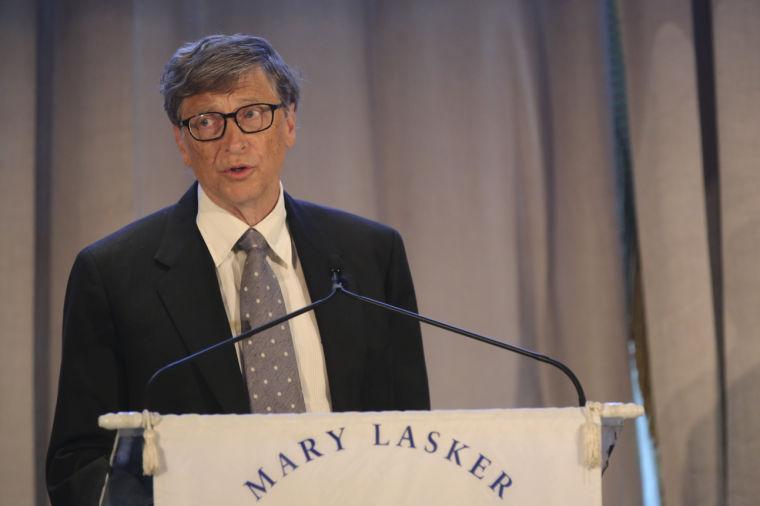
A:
(220, 231)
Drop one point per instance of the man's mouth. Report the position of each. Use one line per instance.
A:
(238, 170)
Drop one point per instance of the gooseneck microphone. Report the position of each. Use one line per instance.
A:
(338, 287)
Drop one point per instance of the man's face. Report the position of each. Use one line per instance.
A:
(239, 172)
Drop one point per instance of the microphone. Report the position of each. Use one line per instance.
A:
(336, 271)
(338, 287)
(335, 263)
(232, 340)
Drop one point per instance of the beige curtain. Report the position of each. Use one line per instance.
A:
(481, 130)
(705, 381)
(18, 376)
(670, 198)
(738, 96)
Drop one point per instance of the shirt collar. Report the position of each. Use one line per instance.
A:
(221, 230)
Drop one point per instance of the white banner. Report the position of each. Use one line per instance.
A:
(516, 457)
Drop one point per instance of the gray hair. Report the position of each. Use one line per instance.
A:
(216, 63)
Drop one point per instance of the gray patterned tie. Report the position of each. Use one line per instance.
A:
(269, 361)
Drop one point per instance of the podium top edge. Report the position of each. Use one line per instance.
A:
(126, 420)
(135, 420)
(622, 410)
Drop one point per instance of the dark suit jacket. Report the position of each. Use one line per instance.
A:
(148, 295)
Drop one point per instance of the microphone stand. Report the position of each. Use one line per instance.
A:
(338, 288)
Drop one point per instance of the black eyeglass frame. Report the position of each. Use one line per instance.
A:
(272, 108)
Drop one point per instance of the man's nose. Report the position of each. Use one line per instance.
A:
(234, 138)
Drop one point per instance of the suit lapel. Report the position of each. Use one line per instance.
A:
(313, 248)
(191, 296)
(339, 318)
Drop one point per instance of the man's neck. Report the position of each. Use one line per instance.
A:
(250, 214)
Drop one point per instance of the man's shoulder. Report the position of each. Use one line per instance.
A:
(338, 219)
(142, 235)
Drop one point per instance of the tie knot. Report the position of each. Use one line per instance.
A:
(251, 239)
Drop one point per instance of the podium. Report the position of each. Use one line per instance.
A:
(547, 456)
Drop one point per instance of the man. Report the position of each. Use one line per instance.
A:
(234, 252)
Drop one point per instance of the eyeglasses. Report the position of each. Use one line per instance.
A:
(251, 118)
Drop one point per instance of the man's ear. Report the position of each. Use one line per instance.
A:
(290, 125)
(179, 140)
